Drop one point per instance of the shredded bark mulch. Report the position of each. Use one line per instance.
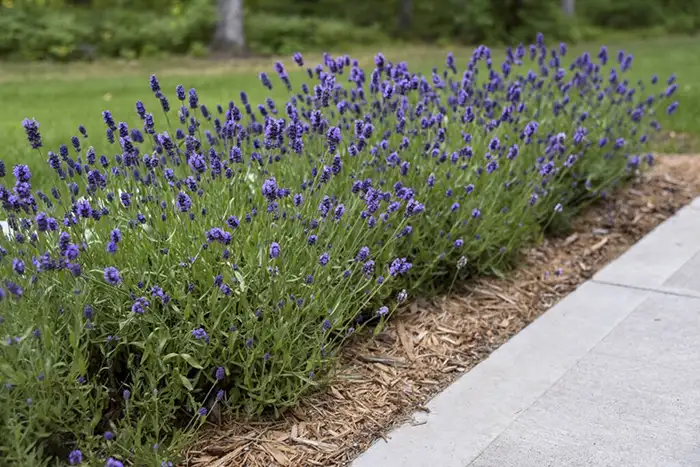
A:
(427, 345)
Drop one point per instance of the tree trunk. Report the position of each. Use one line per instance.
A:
(229, 37)
(568, 7)
(405, 16)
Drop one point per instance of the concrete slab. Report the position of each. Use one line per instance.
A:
(472, 412)
(617, 407)
(687, 278)
(653, 261)
(664, 331)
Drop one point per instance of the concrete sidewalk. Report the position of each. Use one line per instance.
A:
(610, 376)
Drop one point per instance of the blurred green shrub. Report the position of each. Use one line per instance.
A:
(622, 14)
(28, 35)
(472, 21)
(672, 16)
(496, 21)
(272, 34)
(35, 33)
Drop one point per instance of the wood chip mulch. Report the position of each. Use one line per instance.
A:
(427, 345)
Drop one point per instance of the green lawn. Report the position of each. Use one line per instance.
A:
(62, 96)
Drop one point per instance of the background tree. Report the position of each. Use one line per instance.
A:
(405, 17)
(229, 36)
(568, 7)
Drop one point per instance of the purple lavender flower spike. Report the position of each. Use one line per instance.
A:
(274, 250)
(112, 462)
(112, 276)
(155, 85)
(31, 128)
(183, 201)
(324, 259)
(75, 457)
(200, 334)
(298, 59)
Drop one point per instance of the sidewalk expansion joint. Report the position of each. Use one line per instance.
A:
(644, 289)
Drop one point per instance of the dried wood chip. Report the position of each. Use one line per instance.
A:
(448, 331)
(600, 244)
(669, 179)
(570, 239)
(383, 360)
(337, 393)
(278, 455)
(315, 444)
(223, 461)
(406, 341)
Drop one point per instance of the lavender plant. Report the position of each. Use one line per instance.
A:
(219, 257)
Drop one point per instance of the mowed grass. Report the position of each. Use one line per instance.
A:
(63, 96)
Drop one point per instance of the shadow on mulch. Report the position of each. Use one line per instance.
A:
(382, 380)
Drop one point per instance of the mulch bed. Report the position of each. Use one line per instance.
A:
(427, 345)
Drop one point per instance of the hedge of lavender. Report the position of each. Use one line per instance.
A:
(220, 256)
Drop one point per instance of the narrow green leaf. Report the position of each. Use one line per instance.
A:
(191, 361)
(186, 382)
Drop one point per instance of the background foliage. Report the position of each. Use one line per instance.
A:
(71, 29)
